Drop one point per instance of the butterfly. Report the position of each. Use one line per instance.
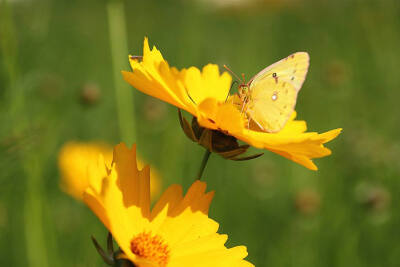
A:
(269, 98)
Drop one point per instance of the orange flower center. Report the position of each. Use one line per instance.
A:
(150, 247)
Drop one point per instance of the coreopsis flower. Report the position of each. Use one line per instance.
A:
(74, 159)
(175, 232)
(204, 95)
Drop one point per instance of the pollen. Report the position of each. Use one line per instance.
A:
(150, 247)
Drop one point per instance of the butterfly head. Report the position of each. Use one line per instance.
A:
(243, 89)
(243, 92)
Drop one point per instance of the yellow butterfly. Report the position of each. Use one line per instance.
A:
(269, 98)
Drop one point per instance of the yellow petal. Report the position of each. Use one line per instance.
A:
(300, 148)
(154, 77)
(205, 243)
(219, 116)
(170, 199)
(187, 217)
(218, 258)
(89, 197)
(207, 84)
(133, 184)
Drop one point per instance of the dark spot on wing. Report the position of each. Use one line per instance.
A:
(275, 77)
(292, 56)
(292, 78)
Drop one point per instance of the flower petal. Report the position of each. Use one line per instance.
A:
(207, 84)
(300, 148)
(154, 77)
(220, 116)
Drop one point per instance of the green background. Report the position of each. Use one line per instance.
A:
(345, 214)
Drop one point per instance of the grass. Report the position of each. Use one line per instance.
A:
(50, 50)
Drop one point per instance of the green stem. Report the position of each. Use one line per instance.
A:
(119, 53)
(33, 213)
(9, 57)
(33, 224)
(203, 164)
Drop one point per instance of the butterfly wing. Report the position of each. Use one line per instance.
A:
(273, 92)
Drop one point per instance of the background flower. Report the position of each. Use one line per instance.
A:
(74, 159)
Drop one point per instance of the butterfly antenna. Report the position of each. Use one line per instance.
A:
(244, 80)
(234, 74)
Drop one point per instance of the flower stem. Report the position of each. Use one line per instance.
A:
(33, 212)
(119, 53)
(203, 164)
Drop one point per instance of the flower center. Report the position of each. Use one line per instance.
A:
(150, 247)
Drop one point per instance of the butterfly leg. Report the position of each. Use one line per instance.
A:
(244, 104)
(190, 97)
(244, 110)
(227, 97)
(259, 125)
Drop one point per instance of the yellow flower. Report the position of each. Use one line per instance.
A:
(203, 94)
(74, 159)
(175, 232)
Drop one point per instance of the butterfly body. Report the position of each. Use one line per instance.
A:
(269, 98)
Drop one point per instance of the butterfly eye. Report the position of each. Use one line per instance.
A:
(274, 74)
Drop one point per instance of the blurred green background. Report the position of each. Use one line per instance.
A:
(58, 80)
